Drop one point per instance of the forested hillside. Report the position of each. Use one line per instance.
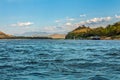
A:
(84, 32)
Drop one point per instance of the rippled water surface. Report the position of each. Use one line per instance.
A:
(59, 60)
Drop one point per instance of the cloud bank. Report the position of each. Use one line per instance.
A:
(69, 24)
(95, 20)
(22, 24)
(117, 16)
(83, 15)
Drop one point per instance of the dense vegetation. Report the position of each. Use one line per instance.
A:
(112, 31)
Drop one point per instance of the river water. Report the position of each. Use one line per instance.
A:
(59, 60)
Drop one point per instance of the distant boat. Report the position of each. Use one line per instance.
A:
(95, 38)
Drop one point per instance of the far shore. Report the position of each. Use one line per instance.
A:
(23, 37)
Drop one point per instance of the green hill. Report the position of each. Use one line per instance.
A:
(84, 32)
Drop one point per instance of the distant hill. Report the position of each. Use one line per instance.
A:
(84, 32)
(35, 34)
(3, 35)
(57, 36)
(32, 35)
(42, 34)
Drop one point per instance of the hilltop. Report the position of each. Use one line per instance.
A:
(85, 32)
(57, 36)
(3, 35)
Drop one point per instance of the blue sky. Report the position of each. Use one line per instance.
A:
(55, 16)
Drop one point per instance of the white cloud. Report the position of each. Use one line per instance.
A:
(68, 24)
(117, 16)
(96, 20)
(22, 24)
(67, 19)
(83, 15)
(57, 21)
(70, 19)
